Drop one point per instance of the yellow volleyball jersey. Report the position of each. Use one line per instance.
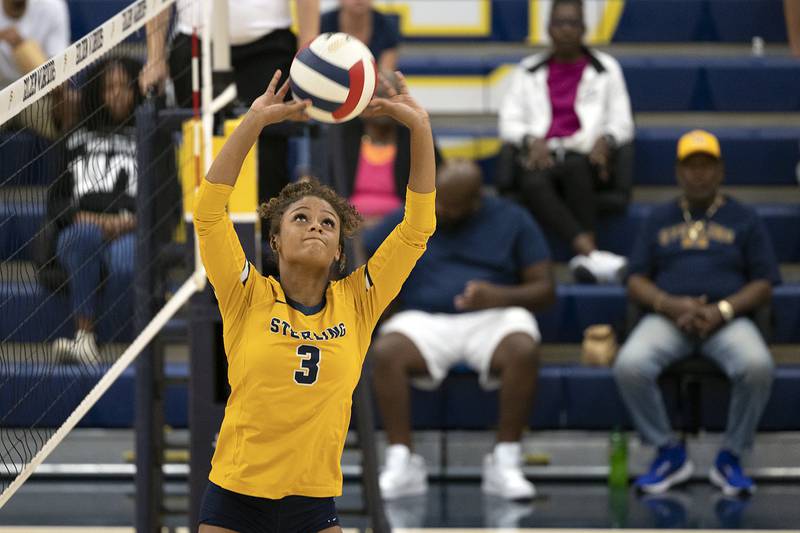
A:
(292, 370)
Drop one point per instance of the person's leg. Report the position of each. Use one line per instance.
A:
(79, 252)
(395, 360)
(119, 261)
(180, 69)
(575, 175)
(652, 346)
(516, 363)
(502, 345)
(253, 66)
(741, 352)
(548, 207)
(418, 345)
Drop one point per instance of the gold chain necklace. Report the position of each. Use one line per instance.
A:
(696, 229)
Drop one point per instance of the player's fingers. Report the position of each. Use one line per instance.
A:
(388, 87)
(273, 82)
(281, 94)
(401, 82)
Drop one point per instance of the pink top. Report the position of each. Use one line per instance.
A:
(562, 80)
(374, 191)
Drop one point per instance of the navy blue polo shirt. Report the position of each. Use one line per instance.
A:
(495, 244)
(738, 250)
(385, 35)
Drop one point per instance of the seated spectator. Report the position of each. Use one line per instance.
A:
(701, 265)
(370, 161)
(31, 31)
(369, 26)
(565, 112)
(92, 204)
(469, 299)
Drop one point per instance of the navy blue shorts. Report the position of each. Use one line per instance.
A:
(249, 514)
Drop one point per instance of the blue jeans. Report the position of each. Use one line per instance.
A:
(85, 256)
(737, 348)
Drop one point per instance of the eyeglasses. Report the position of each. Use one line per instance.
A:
(572, 23)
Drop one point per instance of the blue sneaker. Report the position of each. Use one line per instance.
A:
(727, 474)
(670, 467)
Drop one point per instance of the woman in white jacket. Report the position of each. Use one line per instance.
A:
(566, 110)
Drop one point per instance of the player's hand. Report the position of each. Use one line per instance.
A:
(399, 105)
(271, 108)
(477, 295)
(11, 36)
(153, 74)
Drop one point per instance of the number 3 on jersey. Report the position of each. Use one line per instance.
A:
(309, 367)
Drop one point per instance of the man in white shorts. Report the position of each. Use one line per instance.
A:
(468, 300)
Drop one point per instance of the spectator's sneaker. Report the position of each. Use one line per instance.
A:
(404, 474)
(81, 349)
(502, 473)
(670, 467)
(727, 474)
(598, 267)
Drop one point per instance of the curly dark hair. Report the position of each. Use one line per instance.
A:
(350, 219)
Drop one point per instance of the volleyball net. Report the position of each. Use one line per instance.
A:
(94, 255)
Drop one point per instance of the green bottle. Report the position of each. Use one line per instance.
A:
(618, 459)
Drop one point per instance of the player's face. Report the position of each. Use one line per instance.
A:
(309, 233)
(118, 93)
(700, 176)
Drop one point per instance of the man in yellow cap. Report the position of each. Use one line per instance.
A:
(701, 265)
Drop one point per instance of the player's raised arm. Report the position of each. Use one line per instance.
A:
(404, 109)
(222, 254)
(391, 264)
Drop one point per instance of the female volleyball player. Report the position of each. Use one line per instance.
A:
(295, 344)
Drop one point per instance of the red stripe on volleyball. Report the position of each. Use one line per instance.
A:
(374, 85)
(356, 86)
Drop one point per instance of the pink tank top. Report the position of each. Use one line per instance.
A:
(374, 191)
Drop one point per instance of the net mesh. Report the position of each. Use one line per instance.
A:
(90, 234)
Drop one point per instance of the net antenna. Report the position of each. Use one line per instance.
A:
(46, 78)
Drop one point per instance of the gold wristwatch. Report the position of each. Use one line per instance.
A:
(726, 310)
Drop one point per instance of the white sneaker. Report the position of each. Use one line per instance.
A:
(81, 349)
(502, 473)
(598, 267)
(404, 474)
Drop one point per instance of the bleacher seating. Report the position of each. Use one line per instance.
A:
(569, 396)
(655, 83)
(640, 21)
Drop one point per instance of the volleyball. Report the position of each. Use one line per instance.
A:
(337, 72)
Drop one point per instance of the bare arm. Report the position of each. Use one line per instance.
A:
(155, 70)
(307, 21)
(535, 293)
(266, 109)
(791, 10)
(680, 309)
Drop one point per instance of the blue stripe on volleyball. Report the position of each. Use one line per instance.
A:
(329, 70)
(316, 101)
